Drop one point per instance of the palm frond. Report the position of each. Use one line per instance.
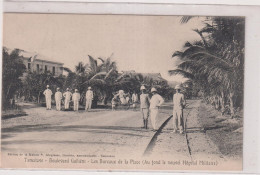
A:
(185, 19)
(177, 54)
(181, 72)
(67, 69)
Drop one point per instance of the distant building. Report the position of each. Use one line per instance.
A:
(37, 63)
(155, 77)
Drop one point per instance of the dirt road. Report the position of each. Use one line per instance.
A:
(104, 133)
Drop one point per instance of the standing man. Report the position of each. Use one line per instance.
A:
(178, 105)
(58, 97)
(67, 96)
(144, 105)
(134, 99)
(76, 98)
(89, 98)
(48, 94)
(155, 103)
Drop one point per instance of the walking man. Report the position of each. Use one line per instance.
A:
(67, 96)
(48, 94)
(155, 103)
(89, 98)
(76, 98)
(144, 105)
(178, 106)
(58, 97)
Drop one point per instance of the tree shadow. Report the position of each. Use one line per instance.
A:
(5, 117)
(117, 130)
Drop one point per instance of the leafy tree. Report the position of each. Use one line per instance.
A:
(13, 69)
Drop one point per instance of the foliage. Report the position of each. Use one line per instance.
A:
(13, 69)
(216, 63)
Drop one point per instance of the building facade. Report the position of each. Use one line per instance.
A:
(39, 64)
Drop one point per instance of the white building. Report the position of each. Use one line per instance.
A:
(37, 63)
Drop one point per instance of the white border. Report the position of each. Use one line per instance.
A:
(252, 73)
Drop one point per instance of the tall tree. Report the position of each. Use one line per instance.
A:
(13, 69)
(216, 63)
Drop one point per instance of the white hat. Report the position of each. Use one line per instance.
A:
(47, 86)
(67, 89)
(58, 88)
(142, 88)
(89, 87)
(177, 87)
(76, 89)
(153, 90)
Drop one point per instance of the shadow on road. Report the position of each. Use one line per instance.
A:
(5, 117)
(118, 130)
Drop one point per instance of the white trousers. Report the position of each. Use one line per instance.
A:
(88, 104)
(67, 104)
(48, 103)
(154, 113)
(58, 105)
(145, 113)
(178, 122)
(76, 105)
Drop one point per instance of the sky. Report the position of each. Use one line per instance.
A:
(141, 43)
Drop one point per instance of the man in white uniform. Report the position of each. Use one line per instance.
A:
(67, 96)
(122, 95)
(144, 105)
(48, 94)
(89, 98)
(155, 103)
(76, 98)
(58, 97)
(178, 105)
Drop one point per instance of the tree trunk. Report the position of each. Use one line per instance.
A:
(222, 103)
(104, 100)
(39, 97)
(216, 102)
(232, 110)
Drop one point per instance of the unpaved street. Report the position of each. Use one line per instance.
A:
(96, 132)
(103, 133)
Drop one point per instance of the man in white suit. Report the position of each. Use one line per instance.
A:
(67, 95)
(178, 106)
(76, 98)
(89, 98)
(58, 97)
(48, 94)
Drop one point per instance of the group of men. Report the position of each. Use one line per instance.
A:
(68, 97)
(150, 107)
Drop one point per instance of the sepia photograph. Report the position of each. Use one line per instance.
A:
(122, 92)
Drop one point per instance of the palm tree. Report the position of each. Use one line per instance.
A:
(101, 76)
(13, 69)
(216, 63)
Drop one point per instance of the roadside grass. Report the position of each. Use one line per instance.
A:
(225, 132)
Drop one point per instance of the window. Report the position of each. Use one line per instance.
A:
(53, 70)
(29, 66)
(46, 68)
(38, 68)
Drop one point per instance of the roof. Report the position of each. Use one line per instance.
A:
(38, 57)
(154, 76)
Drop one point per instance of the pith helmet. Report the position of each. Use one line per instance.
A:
(153, 90)
(47, 86)
(58, 88)
(177, 87)
(67, 89)
(76, 90)
(142, 88)
(89, 88)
